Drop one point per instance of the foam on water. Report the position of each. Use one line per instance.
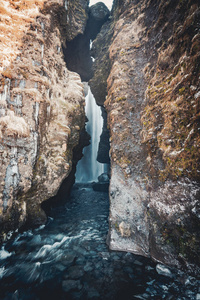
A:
(2, 271)
(4, 254)
(72, 248)
(48, 248)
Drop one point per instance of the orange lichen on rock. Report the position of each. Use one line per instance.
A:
(171, 115)
(14, 126)
(15, 18)
(41, 109)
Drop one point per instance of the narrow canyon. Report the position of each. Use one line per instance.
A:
(100, 149)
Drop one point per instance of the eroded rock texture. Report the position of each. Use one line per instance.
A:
(41, 107)
(77, 15)
(102, 64)
(153, 114)
(77, 51)
(98, 82)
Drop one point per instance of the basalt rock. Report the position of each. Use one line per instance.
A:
(103, 183)
(102, 64)
(98, 15)
(153, 114)
(77, 50)
(77, 16)
(41, 109)
(77, 56)
(104, 178)
(98, 83)
(101, 187)
(104, 144)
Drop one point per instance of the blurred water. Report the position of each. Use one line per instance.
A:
(88, 168)
(69, 259)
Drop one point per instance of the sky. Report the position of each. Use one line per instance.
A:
(108, 3)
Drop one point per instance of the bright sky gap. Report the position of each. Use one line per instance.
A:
(108, 3)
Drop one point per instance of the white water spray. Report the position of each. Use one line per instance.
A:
(88, 168)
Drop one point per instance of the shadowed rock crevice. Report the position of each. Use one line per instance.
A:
(65, 188)
(104, 144)
(102, 63)
(77, 51)
(78, 58)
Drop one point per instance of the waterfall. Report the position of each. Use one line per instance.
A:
(88, 168)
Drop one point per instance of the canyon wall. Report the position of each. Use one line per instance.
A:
(41, 105)
(153, 106)
(147, 62)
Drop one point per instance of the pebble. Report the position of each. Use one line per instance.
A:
(93, 294)
(68, 259)
(151, 282)
(149, 268)
(143, 296)
(88, 267)
(80, 260)
(129, 256)
(59, 237)
(162, 270)
(116, 257)
(138, 263)
(84, 265)
(104, 255)
(128, 270)
(60, 267)
(93, 253)
(165, 288)
(68, 285)
(75, 272)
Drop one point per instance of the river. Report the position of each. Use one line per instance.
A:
(69, 259)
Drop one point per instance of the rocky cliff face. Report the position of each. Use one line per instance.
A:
(41, 106)
(147, 62)
(153, 115)
(77, 51)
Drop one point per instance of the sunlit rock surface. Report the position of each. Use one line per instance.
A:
(41, 109)
(153, 116)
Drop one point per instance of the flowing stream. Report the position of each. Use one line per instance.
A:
(68, 258)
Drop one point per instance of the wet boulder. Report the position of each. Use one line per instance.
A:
(103, 183)
(103, 178)
(68, 285)
(162, 270)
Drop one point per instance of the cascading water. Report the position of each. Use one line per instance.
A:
(88, 168)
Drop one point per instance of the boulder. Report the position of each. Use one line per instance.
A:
(98, 15)
(162, 270)
(69, 285)
(100, 187)
(99, 12)
(103, 178)
(77, 50)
